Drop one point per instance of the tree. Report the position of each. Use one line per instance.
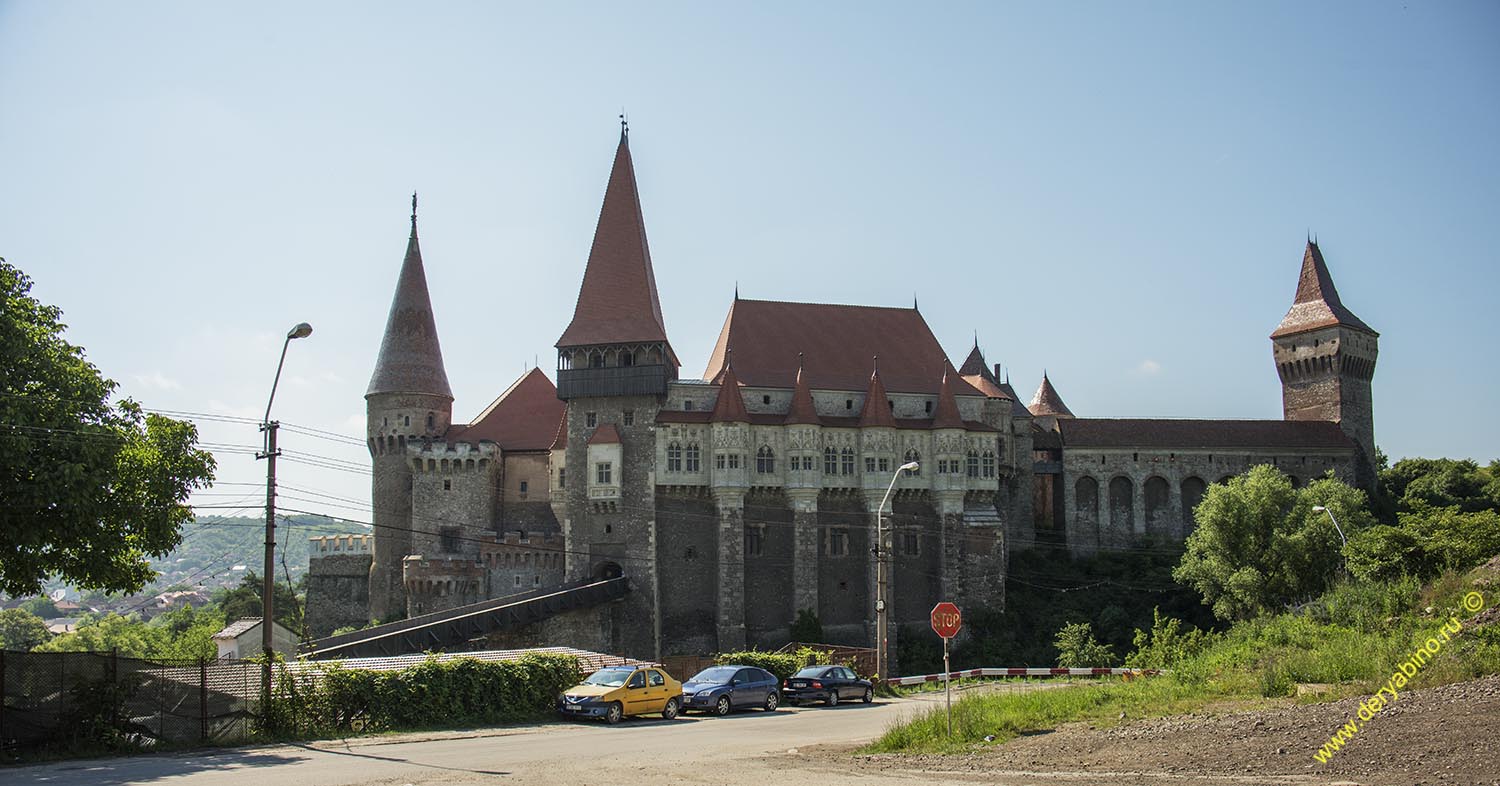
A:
(1078, 649)
(1259, 544)
(244, 601)
(89, 491)
(21, 630)
(127, 634)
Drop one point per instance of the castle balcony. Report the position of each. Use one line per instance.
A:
(613, 381)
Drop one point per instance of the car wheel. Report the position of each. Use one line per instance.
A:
(869, 695)
(772, 701)
(673, 707)
(614, 713)
(833, 697)
(721, 707)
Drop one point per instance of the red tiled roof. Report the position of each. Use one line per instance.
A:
(985, 386)
(1317, 302)
(802, 410)
(877, 408)
(527, 416)
(729, 407)
(617, 301)
(946, 414)
(411, 359)
(1047, 402)
(605, 434)
(1168, 434)
(974, 364)
(836, 342)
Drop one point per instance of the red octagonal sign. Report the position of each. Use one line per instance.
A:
(946, 620)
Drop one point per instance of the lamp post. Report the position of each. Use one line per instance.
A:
(267, 604)
(1336, 527)
(882, 553)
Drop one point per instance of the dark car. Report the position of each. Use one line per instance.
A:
(828, 684)
(721, 689)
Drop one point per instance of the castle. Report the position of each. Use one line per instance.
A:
(734, 501)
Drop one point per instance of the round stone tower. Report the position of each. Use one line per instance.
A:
(408, 403)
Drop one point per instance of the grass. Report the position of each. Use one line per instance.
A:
(1351, 639)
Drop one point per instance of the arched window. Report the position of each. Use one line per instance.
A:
(830, 461)
(627, 358)
(596, 359)
(912, 456)
(694, 457)
(846, 461)
(973, 464)
(674, 457)
(765, 460)
(989, 463)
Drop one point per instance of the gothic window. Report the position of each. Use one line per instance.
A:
(884, 464)
(693, 457)
(603, 471)
(846, 461)
(562, 477)
(911, 544)
(590, 419)
(719, 461)
(830, 461)
(765, 460)
(989, 464)
(628, 417)
(836, 542)
(913, 457)
(755, 537)
(674, 457)
(429, 421)
(869, 463)
(734, 461)
(449, 538)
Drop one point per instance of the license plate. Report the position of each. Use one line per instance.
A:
(798, 684)
(573, 706)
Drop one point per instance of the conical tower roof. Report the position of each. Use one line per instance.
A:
(729, 407)
(617, 301)
(411, 360)
(877, 408)
(974, 365)
(947, 415)
(1047, 402)
(802, 411)
(1317, 303)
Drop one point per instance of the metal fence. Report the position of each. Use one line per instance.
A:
(70, 700)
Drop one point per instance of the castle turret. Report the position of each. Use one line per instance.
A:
(408, 401)
(1325, 356)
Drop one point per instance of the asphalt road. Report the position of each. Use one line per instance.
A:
(692, 749)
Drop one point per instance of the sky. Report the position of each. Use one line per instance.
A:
(1116, 193)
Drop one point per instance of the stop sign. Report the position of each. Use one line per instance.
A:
(946, 620)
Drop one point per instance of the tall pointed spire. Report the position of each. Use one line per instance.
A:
(1316, 304)
(1047, 401)
(617, 301)
(729, 407)
(877, 408)
(947, 415)
(411, 359)
(802, 411)
(974, 364)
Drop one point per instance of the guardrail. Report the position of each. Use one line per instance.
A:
(1030, 672)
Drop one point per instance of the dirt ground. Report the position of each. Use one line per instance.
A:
(1447, 735)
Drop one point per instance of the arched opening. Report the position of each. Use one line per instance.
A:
(1086, 510)
(1192, 494)
(1158, 498)
(607, 570)
(1121, 508)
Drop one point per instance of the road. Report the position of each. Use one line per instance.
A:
(691, 749)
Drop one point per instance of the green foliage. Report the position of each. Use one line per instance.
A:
(1440, 483)
(1446, 516)
(21, 630)
(89, 490)
(245, 601)
(807, 626)
(1259, 544)
(184, 633)
(457, 692)
(1166, 644)
(1383, 553)
(1077, 648)
(782, 664)
(42, 606)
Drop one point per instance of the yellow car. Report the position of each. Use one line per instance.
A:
(617, 691)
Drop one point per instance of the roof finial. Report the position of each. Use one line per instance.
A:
(736, 290)
(799, 362)
(913, 301)
(875, 362)
(728, 357)
(624, 124)
(976, 338)
(413, 211)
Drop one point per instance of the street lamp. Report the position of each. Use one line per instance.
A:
(882, 553)
(1340, 530)
(267, 604)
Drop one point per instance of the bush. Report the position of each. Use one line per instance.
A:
(1166, 644)
(807, 627)
(1077, 648)
(782, 664)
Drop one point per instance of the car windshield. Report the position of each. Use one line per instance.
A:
(715, 674)
(609, 678)
(812, 671)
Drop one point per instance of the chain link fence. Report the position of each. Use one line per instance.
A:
(91, 700)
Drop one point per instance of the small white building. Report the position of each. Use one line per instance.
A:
(242, 639)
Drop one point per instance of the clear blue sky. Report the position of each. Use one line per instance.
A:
(1117, 193)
